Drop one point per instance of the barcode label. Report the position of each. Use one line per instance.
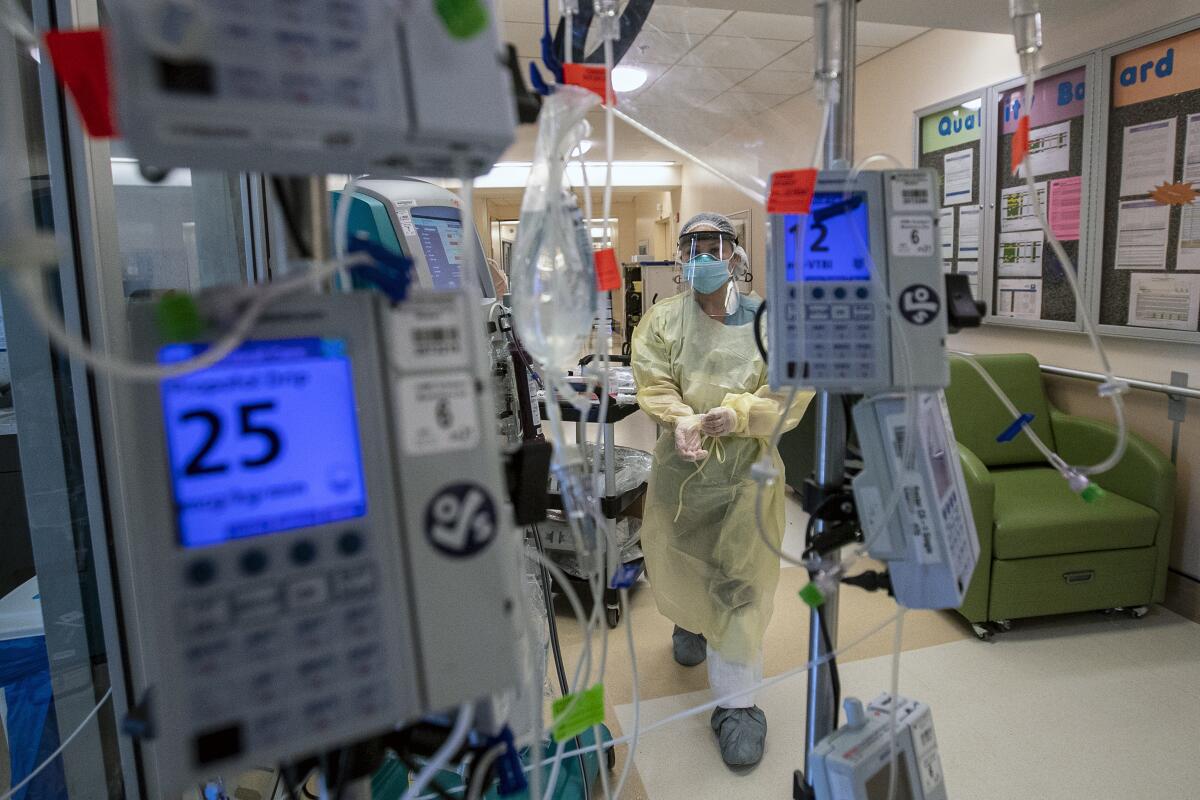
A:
(912, 192)
(435, 341)
(898, 439)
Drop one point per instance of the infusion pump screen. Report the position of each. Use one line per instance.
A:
(265, 440)
(832, 240)
(441, 235)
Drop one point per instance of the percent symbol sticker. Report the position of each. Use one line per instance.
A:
(461, 519)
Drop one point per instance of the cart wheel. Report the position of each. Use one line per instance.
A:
(610, 758)
(612, 615)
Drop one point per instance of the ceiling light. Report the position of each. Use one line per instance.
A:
(628, 79)
(973, 103)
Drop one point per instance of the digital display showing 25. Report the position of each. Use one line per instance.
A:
(265, 440)
(833, 239)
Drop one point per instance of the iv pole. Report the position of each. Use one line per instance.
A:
(835, 44)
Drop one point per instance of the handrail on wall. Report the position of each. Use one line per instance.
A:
(1097, 377)
(1177, 395)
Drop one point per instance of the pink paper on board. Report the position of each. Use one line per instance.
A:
(1055, 98)
(1066, 198)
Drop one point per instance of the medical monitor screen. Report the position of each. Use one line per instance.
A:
(266, 440)
(441, 234)
(832, 240)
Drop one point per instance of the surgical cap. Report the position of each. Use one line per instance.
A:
(707, 218)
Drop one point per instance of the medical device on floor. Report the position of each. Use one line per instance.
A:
(929, 541)
(853, 278)
(853, 762)
(309, 513)
(329, 86)
(423, 222)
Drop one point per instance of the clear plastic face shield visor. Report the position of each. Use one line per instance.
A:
(705, 257)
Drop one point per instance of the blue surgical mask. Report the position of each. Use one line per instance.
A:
(707, 273)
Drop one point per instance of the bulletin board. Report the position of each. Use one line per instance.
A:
(1149, 282)
(1026, 282)
(949, 140)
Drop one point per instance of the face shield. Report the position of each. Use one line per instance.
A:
(705, 258)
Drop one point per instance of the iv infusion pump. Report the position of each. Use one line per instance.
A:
(855, 298)
(854, 762)
(928, 539)
(304, 518)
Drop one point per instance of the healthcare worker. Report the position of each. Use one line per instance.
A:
(700, 376)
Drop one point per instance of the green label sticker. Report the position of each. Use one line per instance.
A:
(577, 712)
(812, 594)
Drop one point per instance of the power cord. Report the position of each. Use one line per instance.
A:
(758, 337)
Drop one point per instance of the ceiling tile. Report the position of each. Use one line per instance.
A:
(526, 36)
(695, 85)
(653, 73)
(864, 53)
(758, 25)
(746, 102)
(800, 59)
(883, 34)
(656, 47)
(736, 51)
(777, 81)
(685, 19)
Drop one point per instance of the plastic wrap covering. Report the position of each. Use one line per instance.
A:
(560, 546)
(620, 377)
(631, 468)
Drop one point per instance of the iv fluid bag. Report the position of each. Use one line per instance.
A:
(553, 275)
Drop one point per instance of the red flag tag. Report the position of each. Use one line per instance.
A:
(608, 275)
(80, 60)
(592, 77)
(791, 191)
(1020, 144)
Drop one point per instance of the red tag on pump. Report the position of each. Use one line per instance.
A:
(1020, 143)
(80, 59)
(791, 191)
(608, 275)
(592, 77)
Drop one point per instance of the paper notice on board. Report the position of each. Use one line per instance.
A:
(1019, 254)
(1019, 298)
(946, 231)
(969, 218)
(971, 270)
(1049, 150)
(1142, 234)
(1188, 254)
(1191, 150)
(1148, 156)
(1066, 201)
(960, 176)
(1017, 211)
(1164, 301)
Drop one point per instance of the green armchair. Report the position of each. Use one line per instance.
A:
(1042, 548)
